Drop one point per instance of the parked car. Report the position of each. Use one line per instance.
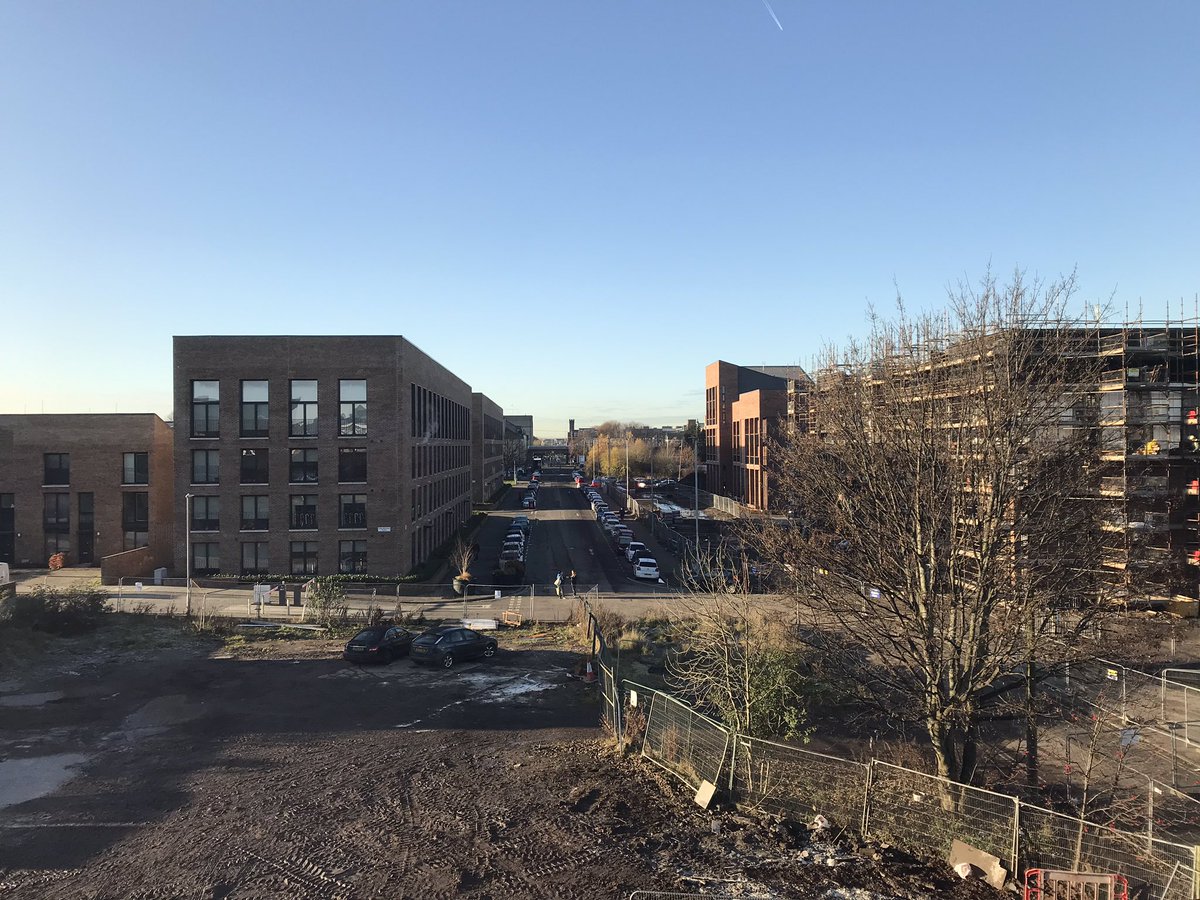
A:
(645, 567)
(378, 645)
(520, 522)
(529, 503)
(633, 548)
(623, 537)
(449, 644)
(519, 546)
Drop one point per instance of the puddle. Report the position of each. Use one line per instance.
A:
(30, 699)
(36, 776)
(170, 710)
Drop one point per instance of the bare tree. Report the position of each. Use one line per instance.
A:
(943, 492)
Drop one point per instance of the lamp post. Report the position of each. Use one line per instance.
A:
(696, 485)
(187, 515)
(626, 504)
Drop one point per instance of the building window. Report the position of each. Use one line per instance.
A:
(206, 513)
(256, 512)
(352, 557)
(206, 408)
(254, 409)
(304, 511)
(206, 558)
(254, 466)
(206, 466)
(352, 416)
(304, 466)
(304, 409)
(135, 468)
(352, 464)
(135, 518)
(56, 513)
(56, 468)
(304, 557)
(254, 558)
(352, 511)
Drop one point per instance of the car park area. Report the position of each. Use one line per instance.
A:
(150, 763)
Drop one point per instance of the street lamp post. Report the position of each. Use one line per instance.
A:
(187, 565)
(696, 485)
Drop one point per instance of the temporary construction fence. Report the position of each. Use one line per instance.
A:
(919, 812)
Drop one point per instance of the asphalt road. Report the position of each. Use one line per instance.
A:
(564, 536)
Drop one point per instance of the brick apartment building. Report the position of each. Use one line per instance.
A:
(744, 407)
(88, 486)
(316, 455)
(487, 447)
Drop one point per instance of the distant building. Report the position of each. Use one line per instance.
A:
(487, 447)
(744, 408)
(524, 423)
(87, 486)
(317, 455)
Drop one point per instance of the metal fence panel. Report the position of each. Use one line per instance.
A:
(798, 784)
(926, 813)
(1055, 841)
(683, 741)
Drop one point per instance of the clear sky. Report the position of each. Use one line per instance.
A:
(573, 205)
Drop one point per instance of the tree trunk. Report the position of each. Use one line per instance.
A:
(1031, 728)
(944, 751)
(970, 754)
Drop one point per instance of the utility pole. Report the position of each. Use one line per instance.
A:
(626, 470)
(696, 485)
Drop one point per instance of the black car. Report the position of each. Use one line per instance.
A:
(450, 644)
(378, 645)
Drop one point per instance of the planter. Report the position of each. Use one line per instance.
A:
(460, 585)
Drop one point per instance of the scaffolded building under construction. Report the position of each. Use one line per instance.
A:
(1149, 466)
(1139, 389)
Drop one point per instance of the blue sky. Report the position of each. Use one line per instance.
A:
(575, 206)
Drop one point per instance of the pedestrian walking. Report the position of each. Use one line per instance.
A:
(574, 593)
(558, 584)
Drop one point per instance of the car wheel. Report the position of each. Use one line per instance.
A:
(448, 661)
(489, 651)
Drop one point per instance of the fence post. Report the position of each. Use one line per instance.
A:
(1016, 839)
(866, 810)
(1150, 816)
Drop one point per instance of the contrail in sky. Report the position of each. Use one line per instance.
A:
(772, 12)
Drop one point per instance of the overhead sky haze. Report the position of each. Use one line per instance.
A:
(574, 206)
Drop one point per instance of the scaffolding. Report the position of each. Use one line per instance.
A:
(1147, 398)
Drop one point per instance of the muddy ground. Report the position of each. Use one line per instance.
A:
(142, 762)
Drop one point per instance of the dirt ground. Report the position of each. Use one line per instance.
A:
(142, 762)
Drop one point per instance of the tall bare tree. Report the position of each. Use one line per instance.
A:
(943, 492)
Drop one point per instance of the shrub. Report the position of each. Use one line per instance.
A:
(70, 610)
(325, 601)
(57, 561)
